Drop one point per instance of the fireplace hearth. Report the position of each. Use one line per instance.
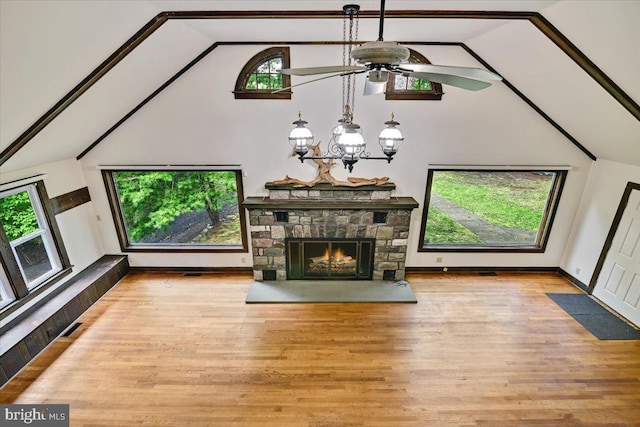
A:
(329, 232)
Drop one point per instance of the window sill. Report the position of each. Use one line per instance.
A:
(186, 248)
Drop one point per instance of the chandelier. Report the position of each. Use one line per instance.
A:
(347, 143)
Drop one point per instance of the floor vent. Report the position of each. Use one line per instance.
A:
(488, 273)
(72, 329)
(192, 274)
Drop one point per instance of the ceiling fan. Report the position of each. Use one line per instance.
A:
(380, 58)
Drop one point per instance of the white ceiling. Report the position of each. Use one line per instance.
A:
(48, 47)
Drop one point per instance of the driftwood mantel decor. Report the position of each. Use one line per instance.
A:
(324, 175)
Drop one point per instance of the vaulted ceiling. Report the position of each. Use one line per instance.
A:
(70, 71)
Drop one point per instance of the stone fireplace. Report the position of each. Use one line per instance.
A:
(329, 232)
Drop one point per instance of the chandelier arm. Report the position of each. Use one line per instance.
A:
(330, 157)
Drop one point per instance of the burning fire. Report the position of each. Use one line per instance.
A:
(335, 261)
(337, 255)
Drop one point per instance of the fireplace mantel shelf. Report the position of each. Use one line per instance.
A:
(268, 203)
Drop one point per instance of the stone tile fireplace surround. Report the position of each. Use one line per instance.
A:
(329, 212)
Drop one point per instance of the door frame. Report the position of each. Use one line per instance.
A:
(612, 232)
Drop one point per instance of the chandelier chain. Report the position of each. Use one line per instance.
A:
(344, 57)
(348, 81)
(353, 76)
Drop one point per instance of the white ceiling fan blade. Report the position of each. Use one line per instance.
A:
(315, 80)
(373, 88)
(469, 72)
(320, 70)
(457, 81)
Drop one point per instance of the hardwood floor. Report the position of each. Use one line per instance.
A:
(172, 350)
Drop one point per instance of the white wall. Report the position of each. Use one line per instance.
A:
(197, 121)
(600, 201)
(77, 226)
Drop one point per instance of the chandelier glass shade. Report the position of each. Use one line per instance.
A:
(300, 137)
(390, 139)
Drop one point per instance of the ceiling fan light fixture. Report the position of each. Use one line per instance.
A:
(378, 76)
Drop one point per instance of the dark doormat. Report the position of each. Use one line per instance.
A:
(318, 291)
(603, 324)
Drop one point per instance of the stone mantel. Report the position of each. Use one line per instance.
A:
(331, 212)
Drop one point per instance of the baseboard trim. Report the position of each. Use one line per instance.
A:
(573, 280)
(208, 270)
(480, 269)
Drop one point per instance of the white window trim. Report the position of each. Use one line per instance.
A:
(43, 231)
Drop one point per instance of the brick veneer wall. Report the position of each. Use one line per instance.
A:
(329, 212)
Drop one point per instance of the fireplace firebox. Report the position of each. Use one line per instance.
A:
(330, 258)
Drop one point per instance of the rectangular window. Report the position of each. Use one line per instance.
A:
(29, 235)
(33, 254)
(496, 210)
(177, 210)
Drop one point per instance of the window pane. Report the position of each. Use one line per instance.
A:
(263, 68)
(480, 208)
(17, 215)
(179, 207)
(263, 81)
(275, 65)
(34, 259)
(400, 83)
(252, 82)
(276, 81)
(423, 84)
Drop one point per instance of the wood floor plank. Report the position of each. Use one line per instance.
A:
(164, 349)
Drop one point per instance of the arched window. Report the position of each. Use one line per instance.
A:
(406, 88)
(260, 76)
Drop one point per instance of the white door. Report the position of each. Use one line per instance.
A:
(618, 284)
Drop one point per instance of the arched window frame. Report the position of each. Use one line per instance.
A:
(391, 93)
(241, 91)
